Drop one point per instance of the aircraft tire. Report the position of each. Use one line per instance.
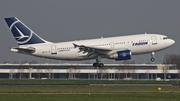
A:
(95, 64)
(152, 59)
(101, 65)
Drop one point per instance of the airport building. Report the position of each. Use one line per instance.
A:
(87, 71)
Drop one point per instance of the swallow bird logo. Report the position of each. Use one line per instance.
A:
(21, 33)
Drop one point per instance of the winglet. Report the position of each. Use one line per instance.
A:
(75, 45)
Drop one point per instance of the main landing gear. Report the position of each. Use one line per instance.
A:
(152, 56)
(97, 63)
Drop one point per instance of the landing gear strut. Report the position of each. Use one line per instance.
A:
(152, 57)
(97, 63)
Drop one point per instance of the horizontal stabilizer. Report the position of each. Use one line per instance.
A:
(28, 50)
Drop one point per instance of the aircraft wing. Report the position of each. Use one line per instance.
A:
(92, 50)
(28, 50)
(96, 50)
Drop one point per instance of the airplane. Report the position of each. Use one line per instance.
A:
(117, 48)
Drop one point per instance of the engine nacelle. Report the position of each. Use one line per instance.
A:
(121, 55)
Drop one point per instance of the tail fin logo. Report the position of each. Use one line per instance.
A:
(21, 33)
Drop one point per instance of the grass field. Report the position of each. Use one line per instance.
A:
(92, 97)
(80, 82)
(88, 93)
(49, 90)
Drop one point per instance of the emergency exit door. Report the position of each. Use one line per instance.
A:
(53, 49)
(112, 44)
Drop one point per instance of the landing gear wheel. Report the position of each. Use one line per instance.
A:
(101, 65)
(152, 56)
(95, 64)
(152, 59)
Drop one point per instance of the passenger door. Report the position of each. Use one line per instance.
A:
(154, 40)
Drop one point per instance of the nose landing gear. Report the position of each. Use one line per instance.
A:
(152, 57)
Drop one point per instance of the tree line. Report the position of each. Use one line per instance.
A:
(172, 58)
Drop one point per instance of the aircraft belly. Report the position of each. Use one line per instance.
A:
(140, 50)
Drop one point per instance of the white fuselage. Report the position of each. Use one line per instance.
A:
(138, 44)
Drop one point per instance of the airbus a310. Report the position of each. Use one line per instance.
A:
(117, 48)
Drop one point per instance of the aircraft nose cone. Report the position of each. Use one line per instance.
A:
(169, 42)
(172, 42)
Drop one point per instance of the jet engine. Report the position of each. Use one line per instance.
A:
(121, 55)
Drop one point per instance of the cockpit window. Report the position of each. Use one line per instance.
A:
(164, 38)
